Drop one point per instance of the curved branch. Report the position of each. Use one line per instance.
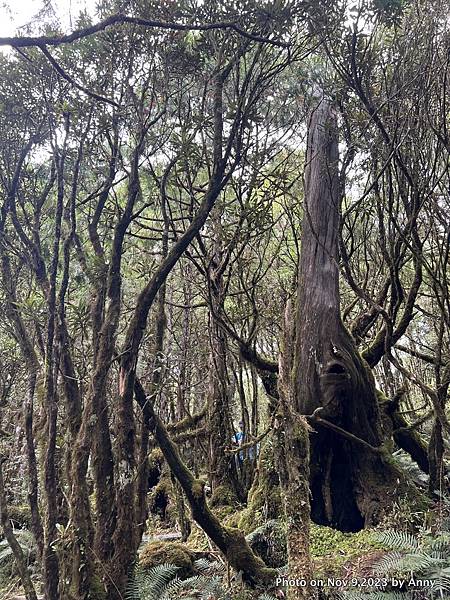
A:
(71, 80)
(120, 19)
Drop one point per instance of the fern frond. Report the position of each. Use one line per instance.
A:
(199, 587)
(150, 584)
(161, 583)
(440, 546)
(398, 540)
(263, 532)
(208, 567)
(388, 563)
(442, 581)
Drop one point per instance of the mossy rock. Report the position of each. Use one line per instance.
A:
(173, 553)
(223, 496)
(269, 543)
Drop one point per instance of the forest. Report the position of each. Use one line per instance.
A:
(224, 301)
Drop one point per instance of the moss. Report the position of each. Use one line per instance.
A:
(155, 457)
(240, 556)
(224, 511)
(21, 515)
(198, 540)
(232, 517)
(158, 498)
(158, 553)
(161, 501)
(228, 516)
(264, 499)
(331, 549)
(97, 591)
(381, 397)
(197, 488)
(223, 496)
(163, 487)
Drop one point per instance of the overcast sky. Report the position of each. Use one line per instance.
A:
(19, 13)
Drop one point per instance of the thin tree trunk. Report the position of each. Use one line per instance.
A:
(292, 453)
(142, 485)
(224, 476)
(32, 364)
(50, 559)
(30, 592)
(224, 481)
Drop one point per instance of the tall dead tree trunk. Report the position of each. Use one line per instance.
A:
(352, 481)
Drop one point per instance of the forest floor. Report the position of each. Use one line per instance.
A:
(335, 554)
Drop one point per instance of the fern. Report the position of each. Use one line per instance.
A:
(440, 547)
(395, 562)
(265, 532)
(149, 584)
(161, 583)
(427, 559)
(199, 587)
(398, 540)
(269, 542)
(207, 567)
(409, 466)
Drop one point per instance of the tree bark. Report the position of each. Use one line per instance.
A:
(50, 558)
(32, 365)
(351, 484)
(224, 479)
(293, 457)
(30, 592)
(230, 541)
(405, 436)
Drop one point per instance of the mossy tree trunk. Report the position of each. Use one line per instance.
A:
(293, 459)
(21, 562)
(264, 499)
(405, 436)
(230, 541)
(224, 477)
(352, 482)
